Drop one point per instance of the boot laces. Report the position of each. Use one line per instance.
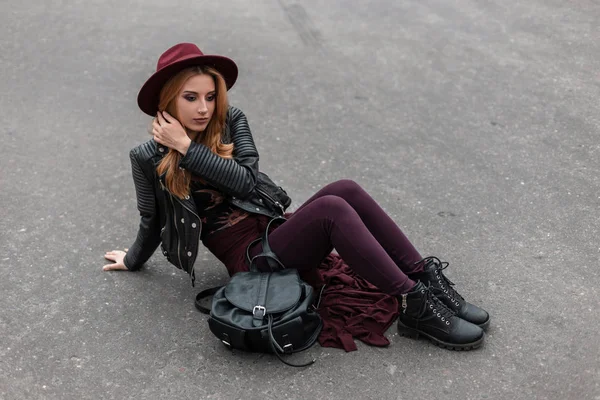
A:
(447, 286)
(436, 307)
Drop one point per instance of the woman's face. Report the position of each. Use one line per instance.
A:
(196, 102)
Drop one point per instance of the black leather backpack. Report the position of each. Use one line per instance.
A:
(264, 311)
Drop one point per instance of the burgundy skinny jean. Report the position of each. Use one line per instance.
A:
(343, 216)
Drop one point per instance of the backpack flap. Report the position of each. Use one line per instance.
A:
(262, 293)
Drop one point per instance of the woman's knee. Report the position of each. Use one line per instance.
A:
(346, 188)
(331, 204)
(326, 212)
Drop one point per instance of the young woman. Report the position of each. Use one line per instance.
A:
(198, 179)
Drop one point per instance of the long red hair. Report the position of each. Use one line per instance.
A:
(178, 181)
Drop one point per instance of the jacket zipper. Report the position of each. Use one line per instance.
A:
(176, 231)
(174, 223)
(189, 209)
(271, 198)
(192, 272)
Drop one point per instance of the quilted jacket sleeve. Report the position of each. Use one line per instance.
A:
(148, 236)
(237, 176)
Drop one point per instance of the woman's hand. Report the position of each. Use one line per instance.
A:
(169, 132)
(117, 256)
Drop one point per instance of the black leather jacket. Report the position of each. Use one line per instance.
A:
(175, 222)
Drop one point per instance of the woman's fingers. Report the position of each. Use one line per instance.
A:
(157, 136)
(117, 256)
(161, 119)
(114, 267)
(166, 116)
(170, 119)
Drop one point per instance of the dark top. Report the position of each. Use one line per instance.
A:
(214, 210)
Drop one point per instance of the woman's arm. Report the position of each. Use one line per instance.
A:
(148, 237)
(237, 176)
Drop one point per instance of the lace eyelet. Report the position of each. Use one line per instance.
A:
(438, 314)
(431, 306)
(447, 322)
(434, 310)
(443, 319)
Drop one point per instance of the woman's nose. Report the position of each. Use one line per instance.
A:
(202, 108)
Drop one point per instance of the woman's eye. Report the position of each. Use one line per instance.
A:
(190, 98)
(210, 98)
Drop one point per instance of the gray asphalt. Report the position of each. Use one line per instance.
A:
(474, 124)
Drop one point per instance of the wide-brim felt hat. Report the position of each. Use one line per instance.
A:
(172, 61)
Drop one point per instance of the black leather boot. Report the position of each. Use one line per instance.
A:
(433, 276)
(422, 313)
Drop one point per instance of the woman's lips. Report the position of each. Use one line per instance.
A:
(200, 120)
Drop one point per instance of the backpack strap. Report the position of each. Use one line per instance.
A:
(260, 311)
(278, 350)
(204, 294)
(273, 261)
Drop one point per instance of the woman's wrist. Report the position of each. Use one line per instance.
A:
(125, 262)
(184, 146)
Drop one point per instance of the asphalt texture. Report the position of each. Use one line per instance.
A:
(473, 123)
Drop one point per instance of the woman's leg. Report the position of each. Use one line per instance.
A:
(304, 240)
(381, 226)
(399, 248)
(329, 221)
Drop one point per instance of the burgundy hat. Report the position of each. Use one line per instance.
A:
(172, 61)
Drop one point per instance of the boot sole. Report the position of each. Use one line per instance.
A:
(412, 333)
(484, 325)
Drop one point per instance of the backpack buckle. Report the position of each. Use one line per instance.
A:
(259, 312)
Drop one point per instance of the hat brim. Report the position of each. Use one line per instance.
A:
(149, 95)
